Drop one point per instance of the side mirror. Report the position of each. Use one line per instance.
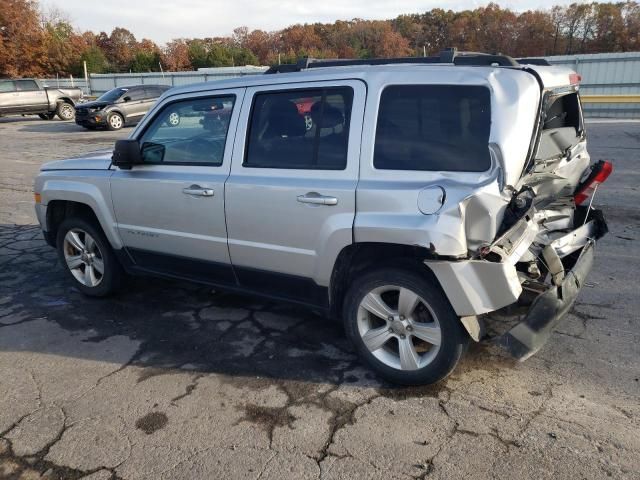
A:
(127, 98)
(126, 154)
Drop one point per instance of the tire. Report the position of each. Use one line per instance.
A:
(46, 116)
(81, 245)
(115, 121)
(394, 348)
(65, 111)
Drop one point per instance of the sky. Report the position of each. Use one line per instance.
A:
(163, 20)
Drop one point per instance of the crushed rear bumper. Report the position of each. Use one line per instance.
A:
(546, 311)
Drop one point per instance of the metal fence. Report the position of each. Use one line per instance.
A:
(610, 84)
(101, 83)
(610, 81)
(67, 83)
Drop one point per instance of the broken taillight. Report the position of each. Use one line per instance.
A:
(575, 78)
(599, 174)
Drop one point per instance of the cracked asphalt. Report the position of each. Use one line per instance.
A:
(175, 381)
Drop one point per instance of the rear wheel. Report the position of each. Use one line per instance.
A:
(174, 119)
(65, 111)
(88, 258)
(115, 121)
(403, 327)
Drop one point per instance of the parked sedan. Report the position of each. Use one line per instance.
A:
(119, 107)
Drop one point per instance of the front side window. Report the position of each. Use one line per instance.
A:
(26, 85)
(112, 95)
(190, 131)
(300, 129)
(433, 128)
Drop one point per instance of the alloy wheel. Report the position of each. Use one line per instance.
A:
(174, 119)
(115, 121)
(399, 327)
(67, 112)
(84, 258)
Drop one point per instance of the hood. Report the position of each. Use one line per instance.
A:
(94, 104)
(99, 160)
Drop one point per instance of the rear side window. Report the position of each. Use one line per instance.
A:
(135, 94)
(7, 86)
(26, 85)
(433, 128)
(300, 129)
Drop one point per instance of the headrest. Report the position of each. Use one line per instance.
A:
(331, 116)
(284, 120)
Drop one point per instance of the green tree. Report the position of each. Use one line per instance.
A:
(96, 60)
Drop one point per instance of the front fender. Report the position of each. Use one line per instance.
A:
(95, 195)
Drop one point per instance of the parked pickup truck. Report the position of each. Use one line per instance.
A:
(29, 97)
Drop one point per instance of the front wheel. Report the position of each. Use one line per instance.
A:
(403, 327)
(65, 111)
(115, 121)
(88, 258)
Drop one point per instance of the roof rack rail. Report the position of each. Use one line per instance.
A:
(534, 61)
(448, 55)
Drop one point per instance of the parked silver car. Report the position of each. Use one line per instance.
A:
(28, 96)
(410, 197)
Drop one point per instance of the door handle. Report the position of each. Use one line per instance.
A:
(317, 199)
(198, 191)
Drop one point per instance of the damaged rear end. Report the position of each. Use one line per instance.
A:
(542, 248)
(550, 227)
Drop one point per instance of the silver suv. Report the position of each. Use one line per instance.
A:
(409, 197)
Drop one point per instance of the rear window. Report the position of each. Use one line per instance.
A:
(433, 128)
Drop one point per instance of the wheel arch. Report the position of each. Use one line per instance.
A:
(113, 110)
(60, 100)
(64, 200)
(358, 258)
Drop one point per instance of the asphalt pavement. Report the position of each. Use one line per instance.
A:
(170, 380)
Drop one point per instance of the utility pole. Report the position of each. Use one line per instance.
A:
(86, 76)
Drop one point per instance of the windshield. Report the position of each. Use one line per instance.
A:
(112, 95)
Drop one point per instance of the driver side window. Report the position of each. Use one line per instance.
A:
(189, 132)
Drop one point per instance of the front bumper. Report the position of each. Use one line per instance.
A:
(90, 120)
(546, 311)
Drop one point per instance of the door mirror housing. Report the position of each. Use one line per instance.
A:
(126, 99)
(126, 154)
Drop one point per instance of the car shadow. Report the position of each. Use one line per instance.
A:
(181, 326)
(177, 324)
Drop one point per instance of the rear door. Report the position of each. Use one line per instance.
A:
(290, 198)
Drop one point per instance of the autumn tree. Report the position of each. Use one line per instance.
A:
(23, 51)
(175, 56)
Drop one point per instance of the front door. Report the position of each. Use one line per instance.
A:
(290, 198)
(170, 210)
